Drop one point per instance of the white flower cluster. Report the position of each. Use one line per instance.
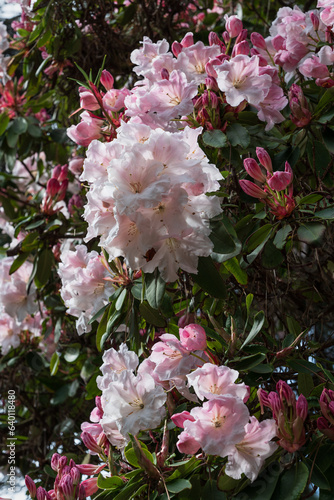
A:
(147, 198)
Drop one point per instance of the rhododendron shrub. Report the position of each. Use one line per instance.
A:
(166, 262)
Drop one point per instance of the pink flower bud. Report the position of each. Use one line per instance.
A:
(31, 486)
(226, 37)
(176, 48)
(233, 25)
(264, 159)
(285, 392)
(90, 486)
(187, 40)
(165, 74)
(41, 493)
(258, 41)
(302, 407)
(211, 84)
(325, 428)
(279, 180)
(52, 187)
(55, 461)
(315, 20)
(242, 36)
(62, 462)
(66, 487)
(90, 442)
(193, 337)
(75, 475)
(107, 80)
(252, 189)
(240, 48)
(254, 170)
(214, 39)
(90, 469)
(263, 398)
(56, 172)
(179, 418)
(63, 173)
(82, 492)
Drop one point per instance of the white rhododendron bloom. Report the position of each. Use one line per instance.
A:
(248, 456)
(148, 197)
(134, 403)
(84, 288)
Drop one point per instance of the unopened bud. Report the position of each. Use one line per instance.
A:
(165, 74)
(252, 189)
(31, 486)
(52, 187)
(75, 474)
(214, 39)
(107, 80)
(258, 41)
(302, 407)
(241, 48)
(211, 83)
(176, 48)
(315, 20)
(264, 159)
(187, 40)
(242, 36)
(233, 25)
(254, 170)
(90, 443)
(63, 173)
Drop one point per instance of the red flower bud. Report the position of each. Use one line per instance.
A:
(107, 80)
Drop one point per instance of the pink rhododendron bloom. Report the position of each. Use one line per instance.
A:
(218, 424)
(187, 444)
(113, 100)
(14, 299)
(279, 180)
(211, 382)
(193, 59)
(134, 403)
(87, 99)
(240, 80)
(114, 362)
(88, 129)
(248, 456)
(193, 337)
(9, 333)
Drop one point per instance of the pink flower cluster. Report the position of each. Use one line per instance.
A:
(68, 484)
(85, 289)
(147, 199)
(289, 415)
(276, 187)
(297, 41)
(326, 421)
(17, 307)
(223, 426)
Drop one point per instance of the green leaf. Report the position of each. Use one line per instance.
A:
(256, 328)
(311, 232)
(327, 213)
(19, 125)
(281, 236)
(225, 241)
(20, 259)
(120, 300)
(325, 100)
(11, 138)
(233, 266)
(318, 157)
(155, 288)
(290, 154)
(264, 485)
(293, 326)
(4, 120)
(249, 300)
(44, 267)
(109, 483)
(259, 236)
(179, 485)
(271, 256)
(291, 483)
(151, 315)
(238, 135)
(305, 384)
(328, 137)
(59, 135)
(101, 329)
(34, 131)
(209, 279)
(54, 363)
(72, 352)
(249, 362)
(310, 199)
(214, 138)
(302, 366)
(211, 492)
